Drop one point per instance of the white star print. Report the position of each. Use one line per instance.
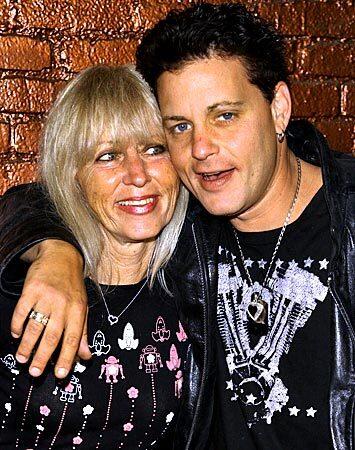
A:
(278, 263)
(308, 262)
(262, 264)
(251, 399)
(229, 384)
(248, 262)
(311, 412)
(294, 411)
(292, 264)
(323, 264)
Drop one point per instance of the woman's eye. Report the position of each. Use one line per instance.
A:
(109, 156)
(155, 150)
(181, 127)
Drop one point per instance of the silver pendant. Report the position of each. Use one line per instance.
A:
(257, 309)
(112, 319)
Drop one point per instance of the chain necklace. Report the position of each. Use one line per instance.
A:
(257, 309)
(112, 319)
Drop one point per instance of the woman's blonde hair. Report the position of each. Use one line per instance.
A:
(117, 101)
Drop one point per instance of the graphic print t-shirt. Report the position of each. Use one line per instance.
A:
(273, 384)
(126, 397)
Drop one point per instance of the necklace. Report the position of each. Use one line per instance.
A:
(112, 319)
(257, 309)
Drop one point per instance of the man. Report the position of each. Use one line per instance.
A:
(269, 306)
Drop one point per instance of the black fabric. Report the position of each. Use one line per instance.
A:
(274, 387)
(129, 393)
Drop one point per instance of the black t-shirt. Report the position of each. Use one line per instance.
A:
(127, 396)
(273, 384)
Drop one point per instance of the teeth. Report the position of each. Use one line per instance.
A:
(209, 175)
(137, 202)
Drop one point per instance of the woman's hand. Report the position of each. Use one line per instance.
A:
(54, 286)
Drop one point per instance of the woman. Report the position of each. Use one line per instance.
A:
(106, 169)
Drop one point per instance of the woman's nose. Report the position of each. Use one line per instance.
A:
(135, 172)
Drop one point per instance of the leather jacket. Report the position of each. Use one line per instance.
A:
(192, 275)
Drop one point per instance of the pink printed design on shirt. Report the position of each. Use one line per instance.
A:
(128, 426)
(178, 383)
(112, 369)
(160, 334)
(132, 392)
(150, 357)
(181, 335)
(44, 411)
(175, 361)
(87, 411)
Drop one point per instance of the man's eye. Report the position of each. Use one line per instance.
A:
(108, 156)
(226, 116)
(155, 150)
(181, 127)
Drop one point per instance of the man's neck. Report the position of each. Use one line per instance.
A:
(270, 212)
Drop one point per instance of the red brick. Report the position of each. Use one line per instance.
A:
(16, 173)
(107, 14)
(348, 99)
(4, 137)
(330, 19)
(80, 53)
(27, 137)
(75, 54)
(122, 16)
(59, 14)
(340, 134)
(23, 53)
(288, 18)
(328, 59)
(315, 99)
(20, 95)
(4, 14)
(114, 52)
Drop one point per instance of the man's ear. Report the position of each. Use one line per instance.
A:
(281, 106)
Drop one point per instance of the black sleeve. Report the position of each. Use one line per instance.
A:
(27, 217)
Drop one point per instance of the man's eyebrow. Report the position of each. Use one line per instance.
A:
(209, 109)
(222, 104)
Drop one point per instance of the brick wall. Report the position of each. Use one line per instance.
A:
(43, 42)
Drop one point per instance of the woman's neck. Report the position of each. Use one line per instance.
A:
(124, 263)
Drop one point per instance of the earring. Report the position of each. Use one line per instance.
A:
(281, 136)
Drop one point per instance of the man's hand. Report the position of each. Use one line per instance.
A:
(54, 286)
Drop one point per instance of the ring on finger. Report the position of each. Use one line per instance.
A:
(39, 317)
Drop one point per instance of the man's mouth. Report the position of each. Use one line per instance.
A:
(212, 176)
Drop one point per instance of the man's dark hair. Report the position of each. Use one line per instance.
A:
(226, 30)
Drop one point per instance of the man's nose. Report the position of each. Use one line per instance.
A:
(135, 172)
(203, 147)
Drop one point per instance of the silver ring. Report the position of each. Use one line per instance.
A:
(39, 317)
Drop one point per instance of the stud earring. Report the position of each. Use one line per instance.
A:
(280, 136)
